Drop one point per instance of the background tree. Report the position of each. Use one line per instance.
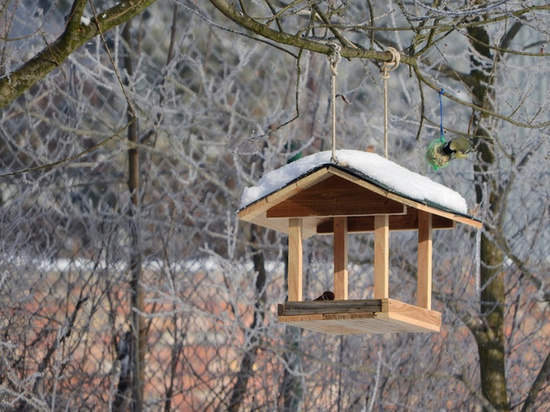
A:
(207, 106)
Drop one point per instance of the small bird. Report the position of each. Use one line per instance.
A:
(441, 152)
(459, 147)
(327, 295)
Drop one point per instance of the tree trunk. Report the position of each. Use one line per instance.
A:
(137, 299)
(490, 339)
(490, 333)
(252, 336)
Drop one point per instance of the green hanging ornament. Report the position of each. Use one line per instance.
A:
(440, 152)
(435, 155)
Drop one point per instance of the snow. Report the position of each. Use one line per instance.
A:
(383, 171)
(85, 21)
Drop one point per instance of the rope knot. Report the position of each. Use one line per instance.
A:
(334, 57)
(392, 64)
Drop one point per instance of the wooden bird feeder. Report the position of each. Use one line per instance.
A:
(335, 199)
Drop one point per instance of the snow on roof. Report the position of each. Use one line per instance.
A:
(371, 166)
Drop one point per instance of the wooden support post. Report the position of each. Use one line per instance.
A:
(381, 256)
(340, 258)
(295, 258)
(424, 293)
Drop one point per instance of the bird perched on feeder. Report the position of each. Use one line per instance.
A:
(327, 295)
(440, 152)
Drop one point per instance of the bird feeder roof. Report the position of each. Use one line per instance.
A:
(360, 185)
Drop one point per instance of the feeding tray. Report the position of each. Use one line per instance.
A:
(347, 317)
(362, 193)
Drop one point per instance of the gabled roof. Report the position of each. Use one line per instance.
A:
(360, 186)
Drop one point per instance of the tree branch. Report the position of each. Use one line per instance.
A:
(350, 52)
(76, 33)
(478, 108)
(475, 392)
(300, 42)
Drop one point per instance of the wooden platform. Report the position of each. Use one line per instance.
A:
(370, 316)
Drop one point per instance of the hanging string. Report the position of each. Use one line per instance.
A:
(386, 68)
(334, 58)
(441, 134)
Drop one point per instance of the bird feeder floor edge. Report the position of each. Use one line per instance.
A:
(352, 317)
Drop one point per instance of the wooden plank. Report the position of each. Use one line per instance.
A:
(454, 216)
(364, 326)
(424, 265)
(279, 225)
(440, 222)
(365, 224)
(309, 225)
(332, 306)
(255, 209)
(381, 256)
(295, 258)
(406, 201)
(336, 326)
(340, 258)
(413, 315)
(395, 317)
(335, 196)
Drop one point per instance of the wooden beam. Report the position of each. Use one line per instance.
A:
(424, 293)
(381, 256)
(335, 196)
(407, 201)
(259, 207)
(365, 224)
(329, 306)
(359, 317)
(340, 258)
(295, 259)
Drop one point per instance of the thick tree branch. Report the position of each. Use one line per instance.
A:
(463, 377)
(285, 38)
(76, 34)
(353, 52)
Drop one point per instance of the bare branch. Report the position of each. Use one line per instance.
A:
(76, 34)
(297, 41)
